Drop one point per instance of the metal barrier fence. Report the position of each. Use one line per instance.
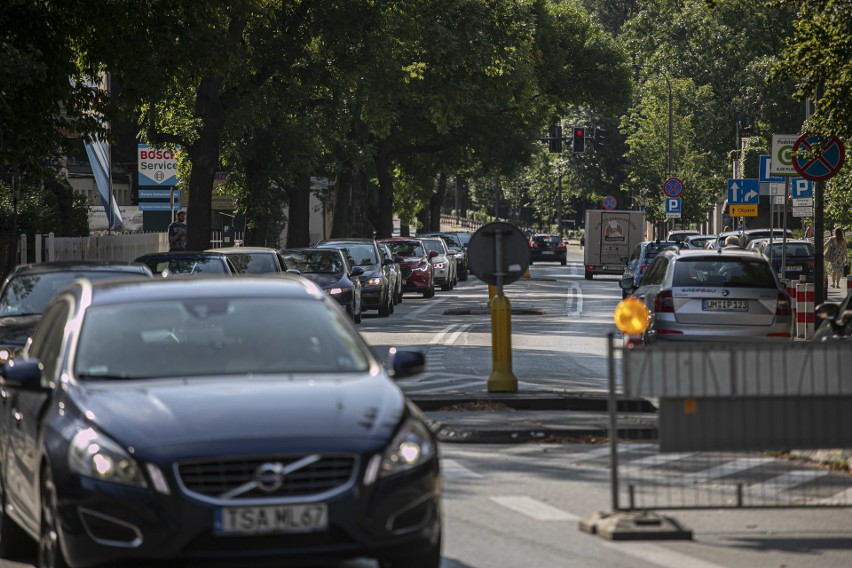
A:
(729, 415)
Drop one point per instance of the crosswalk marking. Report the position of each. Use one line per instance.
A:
(783, 482)
(451, 469)
(725, 469)
(534, 509)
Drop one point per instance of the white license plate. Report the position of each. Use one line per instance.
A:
(547, 252)
(271, 519)
(794, 269)
(725, 305)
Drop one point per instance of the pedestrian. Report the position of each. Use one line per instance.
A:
(732, 241)
(835, 253)
(177, 232)
(809, 232)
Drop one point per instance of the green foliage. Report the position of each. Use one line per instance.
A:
(44, 206)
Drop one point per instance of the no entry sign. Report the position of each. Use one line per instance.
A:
(817, 158)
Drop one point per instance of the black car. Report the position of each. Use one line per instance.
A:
(799, 258)
(202, 419)
(188, 263)
(329, 269)
(395, 270)
(376, 293)
(548, 247)
(28, 289)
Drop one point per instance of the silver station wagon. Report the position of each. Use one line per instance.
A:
(701, 295)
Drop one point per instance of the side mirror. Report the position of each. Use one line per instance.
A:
(24, 375)
(433, 253)
(626, 283)
(624, 259)
(398, 259)
(827, 311)
(387, 262)
(405, 362)
(294, 271)
(357, 271)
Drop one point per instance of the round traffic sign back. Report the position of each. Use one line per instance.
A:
(609, 202)
(820, 159)
(482, 252)
(673, 187)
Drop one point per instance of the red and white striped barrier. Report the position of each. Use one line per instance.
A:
(790, 285)
(805, 307)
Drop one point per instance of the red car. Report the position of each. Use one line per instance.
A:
(417, 272)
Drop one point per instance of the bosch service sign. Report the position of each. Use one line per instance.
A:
(157, 166)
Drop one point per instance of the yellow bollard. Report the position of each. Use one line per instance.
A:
(492, 291)
(527, 272)
(501, 379)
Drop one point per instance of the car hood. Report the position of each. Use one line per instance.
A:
(409, 261)
(371, 271)
(16, 330)
(158, 414)
(322, 280)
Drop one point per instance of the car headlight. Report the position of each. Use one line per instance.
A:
(6, 354)
(374, 282)
(412, 446)
(440, 264)
(92, 454)
(335, 291)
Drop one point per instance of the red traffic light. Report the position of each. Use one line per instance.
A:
(579, 132)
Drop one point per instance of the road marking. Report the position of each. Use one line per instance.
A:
(651, 461)
(574, 303)
(454, 337)
(534, 509)
(772, 487)
(431, 303)
(439, 337)
(663, 557)
(842, 498)
(451, 469)
(725, 469)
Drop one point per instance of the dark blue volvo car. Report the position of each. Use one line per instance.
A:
(205, 419)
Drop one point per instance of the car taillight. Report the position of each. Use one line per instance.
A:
(532, 245)
(782, 308)
(562, 245)
(641, 268)
(664, 303)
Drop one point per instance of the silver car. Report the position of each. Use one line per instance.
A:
(445, 271)
(700, 295)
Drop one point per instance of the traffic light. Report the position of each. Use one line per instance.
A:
(578, 140)
(555, 139)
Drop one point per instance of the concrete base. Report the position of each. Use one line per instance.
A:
(634, 525)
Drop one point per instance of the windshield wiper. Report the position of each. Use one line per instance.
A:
(105, 376)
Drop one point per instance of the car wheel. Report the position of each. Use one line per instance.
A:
(390, 302)
(564, 261)
(463, 276)
(13, 539)
(430, 291)
(385, 308)
(445, 287)
(399, 296)
(589, 275)
(49, 549)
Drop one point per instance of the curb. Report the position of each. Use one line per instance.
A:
(589, 403)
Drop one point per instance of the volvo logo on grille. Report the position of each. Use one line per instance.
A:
(269, 477)
(725, 292)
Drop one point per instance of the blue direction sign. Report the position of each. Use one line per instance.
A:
(673, 205)
(818, 158)
(801, 188)
(673, 187)
(765, 168)
(743, 191)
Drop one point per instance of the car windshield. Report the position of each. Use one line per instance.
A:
(216, 336)
(434, 245)
(315, 262)
(254, 263)
(652, 250)
(358, 255)
(199, 265)
(793, 249)
(30, 293)
(406, 248)
(546, 239)
(730, 272)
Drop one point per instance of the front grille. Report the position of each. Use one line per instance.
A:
(406, 273)
(216, 477)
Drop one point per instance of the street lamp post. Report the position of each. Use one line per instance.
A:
(669, 87)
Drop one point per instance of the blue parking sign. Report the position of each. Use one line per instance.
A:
(673, 204)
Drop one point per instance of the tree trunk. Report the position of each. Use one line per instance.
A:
(299, 198)
(435, 203)
(461, 196)
(341, 220)
(384, 225)
(204, 155)
(423, 220)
